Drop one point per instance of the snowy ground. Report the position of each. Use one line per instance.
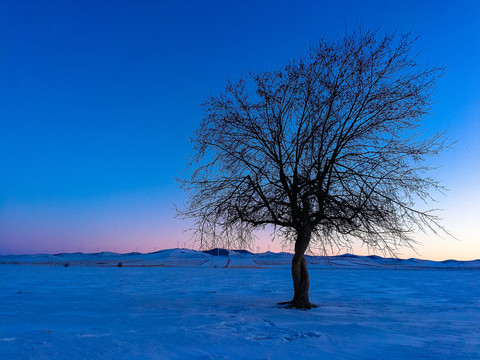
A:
(201, 310)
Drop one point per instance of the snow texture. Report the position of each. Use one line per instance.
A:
(184, 304)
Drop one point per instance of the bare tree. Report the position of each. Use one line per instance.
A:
(327, 150)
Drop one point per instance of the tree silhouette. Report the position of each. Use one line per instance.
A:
(326, 149)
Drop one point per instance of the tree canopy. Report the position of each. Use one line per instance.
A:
(327, 149)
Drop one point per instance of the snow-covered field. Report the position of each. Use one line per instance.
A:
(186, 305)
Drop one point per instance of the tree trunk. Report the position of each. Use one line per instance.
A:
(301, 280)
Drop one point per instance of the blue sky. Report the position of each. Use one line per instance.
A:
(98, 101)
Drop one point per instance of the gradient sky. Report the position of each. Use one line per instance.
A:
(98, 100)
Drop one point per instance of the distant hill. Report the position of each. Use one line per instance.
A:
(223, 258)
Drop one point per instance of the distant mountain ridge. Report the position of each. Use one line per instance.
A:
(224, 258)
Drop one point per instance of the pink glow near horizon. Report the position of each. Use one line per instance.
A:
(142, 223)
(154, 237)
